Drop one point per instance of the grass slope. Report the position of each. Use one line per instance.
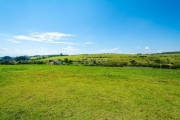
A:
(77, 92)
(145, 60)
(121, 57)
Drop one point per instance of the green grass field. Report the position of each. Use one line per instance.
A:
(45, 92)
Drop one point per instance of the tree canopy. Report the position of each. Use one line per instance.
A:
(22, 58)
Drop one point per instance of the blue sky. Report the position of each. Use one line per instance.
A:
(33, 27)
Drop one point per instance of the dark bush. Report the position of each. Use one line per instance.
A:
(176, 66)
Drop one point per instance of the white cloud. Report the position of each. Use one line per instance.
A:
(87, 43)
(2, 49)
(41, 49)
(110, 50)
(37, 51)
(44, 37)
(138, 47)
(114, 49)
(147, 48)
(47, 37)
(14, 41)
(17, 52)
(160, 51)
(70, 43)
(69, 48)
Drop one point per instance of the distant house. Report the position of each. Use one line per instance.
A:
(57, 62)
(51, 63)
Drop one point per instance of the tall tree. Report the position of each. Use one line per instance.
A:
(6, 58)
(22, 58)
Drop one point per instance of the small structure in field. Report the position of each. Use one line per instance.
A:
(56, 62)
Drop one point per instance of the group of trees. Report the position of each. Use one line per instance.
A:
(26, 60)
(18, 60)
(6, 60)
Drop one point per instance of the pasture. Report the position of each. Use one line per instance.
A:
(89, 93)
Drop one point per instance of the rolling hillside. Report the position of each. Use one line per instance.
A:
(142, 60)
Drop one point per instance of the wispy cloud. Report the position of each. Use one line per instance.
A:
(50, 37)
(14, 41)
(110, 50)
(69, 48)
(160, 51)
(41, 49)
(2, 49)
(114, 49)
(87, 43)
(18, 52)
(147, 48)
(70, 43)
(46, 37)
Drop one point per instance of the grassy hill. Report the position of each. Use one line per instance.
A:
(163, 60)
(138, 60)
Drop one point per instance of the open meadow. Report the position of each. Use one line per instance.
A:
(50, 92)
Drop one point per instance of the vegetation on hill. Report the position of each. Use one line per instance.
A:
(114, 60)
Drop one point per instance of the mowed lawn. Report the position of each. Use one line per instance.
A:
(45, 92)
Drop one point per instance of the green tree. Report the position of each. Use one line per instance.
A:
(22, 58)
(66, 60)
(6, 58)
(132, 62)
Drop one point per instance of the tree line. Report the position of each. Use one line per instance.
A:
(149, 62)
(18, 60)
